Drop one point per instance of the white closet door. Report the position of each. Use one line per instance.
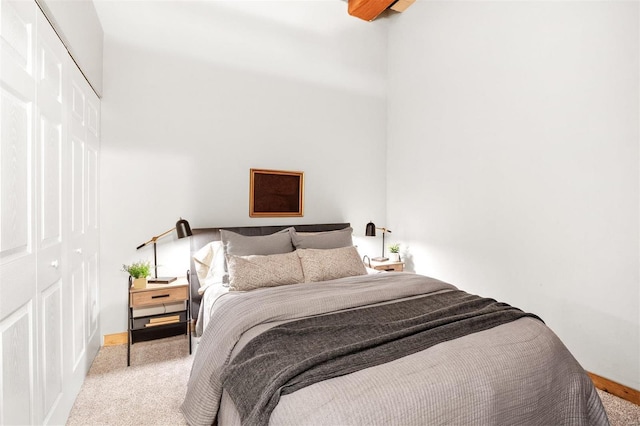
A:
(18, 300)
(83, 141)
(50, 154)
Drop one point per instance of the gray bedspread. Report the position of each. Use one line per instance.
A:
(300, 353)
(515, 373)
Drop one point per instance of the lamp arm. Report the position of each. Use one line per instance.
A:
(156, 238)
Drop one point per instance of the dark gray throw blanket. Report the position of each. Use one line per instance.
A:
(291, 356)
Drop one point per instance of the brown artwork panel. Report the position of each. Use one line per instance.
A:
(276, 193)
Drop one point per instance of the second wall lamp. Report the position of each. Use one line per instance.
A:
(371, 232)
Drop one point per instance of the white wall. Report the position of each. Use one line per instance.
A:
(197, 93)
(513, 162)
(77, 24)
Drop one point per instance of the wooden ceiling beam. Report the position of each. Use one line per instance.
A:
(368, 9)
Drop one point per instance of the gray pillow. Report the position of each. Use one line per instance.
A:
(242, 245)
(322, 240)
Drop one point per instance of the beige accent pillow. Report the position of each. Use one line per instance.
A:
(331, 264)
(251, 272)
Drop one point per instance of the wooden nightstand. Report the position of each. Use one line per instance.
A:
(388, 265)
(151, 316)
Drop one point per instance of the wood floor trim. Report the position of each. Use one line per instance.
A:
(621, 391)
(115, 339)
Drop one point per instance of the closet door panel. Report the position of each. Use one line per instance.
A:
(77, 186)
(17, 99)
(50, 112)
(50, 161)
(17, 381)
(17, 25)
(91, 240)
(93, 149)
(52, 365)
(16, 165)
(17, 217)
(78, 309)
(92, 305)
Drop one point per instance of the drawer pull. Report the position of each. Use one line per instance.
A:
(160, 296)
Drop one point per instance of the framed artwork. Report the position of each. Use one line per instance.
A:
(276, 193)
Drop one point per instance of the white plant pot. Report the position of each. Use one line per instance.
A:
(394, 257)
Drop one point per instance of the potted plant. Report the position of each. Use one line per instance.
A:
(139, 271)
(394, 252)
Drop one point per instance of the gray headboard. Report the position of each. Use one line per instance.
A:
(203, 236)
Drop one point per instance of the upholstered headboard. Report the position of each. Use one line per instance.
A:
(203, 236)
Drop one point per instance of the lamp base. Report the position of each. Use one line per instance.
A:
(375, 259)
(161, 280)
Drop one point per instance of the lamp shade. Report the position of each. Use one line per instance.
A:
(371, 230)
(183, 229)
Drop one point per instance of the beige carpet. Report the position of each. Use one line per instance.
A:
(151, 390)
(147, 393)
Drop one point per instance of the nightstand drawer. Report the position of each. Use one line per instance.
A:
(159, 296)
(389, 266)
(397, 267)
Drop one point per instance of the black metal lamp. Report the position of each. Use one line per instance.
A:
(183, 229)
(371, 232)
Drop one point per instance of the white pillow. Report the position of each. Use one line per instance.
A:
(217, 272)
(256, 271)
(209, 264)
(203, 259)
(331, 264)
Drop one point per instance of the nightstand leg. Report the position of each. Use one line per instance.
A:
(129, 337)
(189, 324)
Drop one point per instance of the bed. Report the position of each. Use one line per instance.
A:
(295, 331)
